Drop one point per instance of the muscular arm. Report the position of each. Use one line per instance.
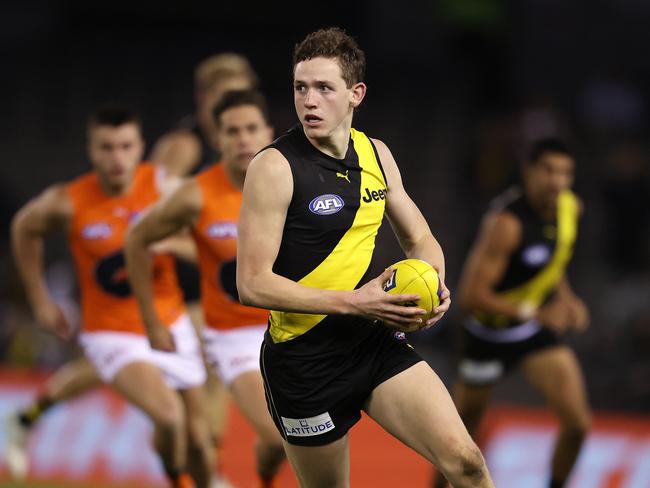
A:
(178, 152)
(177, 211)
(486, 264)
(408, 223)
(261, 224)
(410, 227)
(50, 211)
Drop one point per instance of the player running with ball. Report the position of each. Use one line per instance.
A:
(305, 249)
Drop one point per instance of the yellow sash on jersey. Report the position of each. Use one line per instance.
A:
(346, 264)
(535, 290)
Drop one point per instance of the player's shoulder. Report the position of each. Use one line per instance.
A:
(82, 184)
(178, 144)
(55, 201)
(502, 221)
(507, 201)
(501, 227)
(269, 163)
(210, 180)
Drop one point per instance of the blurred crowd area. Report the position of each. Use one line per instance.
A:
(457, 88)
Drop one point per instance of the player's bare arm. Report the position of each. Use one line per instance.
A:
(267, 193)
(178, 152)
(499, 236)
(50, 211)
(173, 213)
(578, 313)
(579, 316)
(410, 226)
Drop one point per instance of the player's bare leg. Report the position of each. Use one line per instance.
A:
(322, 466)
(471, 402)
(199, 452)
(555, 372)
(248, 393)
(216, 394)
(142, 384)
(72, 379)
(415, 407)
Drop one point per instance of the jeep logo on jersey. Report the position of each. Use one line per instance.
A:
(326, 204)
(100, 230)
(222, 230)
(375, 195)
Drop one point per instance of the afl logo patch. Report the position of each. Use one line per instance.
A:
(100, 230)
(222, 230)
(536, 255)
(326, 204)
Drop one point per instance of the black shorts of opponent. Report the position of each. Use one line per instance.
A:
(487, 355)
(314, 400)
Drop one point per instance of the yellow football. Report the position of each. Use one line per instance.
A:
(416, 277)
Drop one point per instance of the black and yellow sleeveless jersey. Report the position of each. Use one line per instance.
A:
(329, 236)
(538, 264)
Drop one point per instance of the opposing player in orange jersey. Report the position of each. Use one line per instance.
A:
(96, 210)
(187, 149)
(209, 204)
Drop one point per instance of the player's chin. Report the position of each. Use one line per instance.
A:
(315, 131)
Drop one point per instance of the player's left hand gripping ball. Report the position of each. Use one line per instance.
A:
(417, 277)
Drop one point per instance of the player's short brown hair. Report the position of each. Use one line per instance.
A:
(334, 43)
(113, 115)
(219, 67)
(238, 98)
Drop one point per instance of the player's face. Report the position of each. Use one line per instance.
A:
(552, 174)
(242, 132)
(323, 100)
(115, 152)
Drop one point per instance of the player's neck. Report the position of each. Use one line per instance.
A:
(336, 143)
(114, 190)
(234, 175)
(545, 211)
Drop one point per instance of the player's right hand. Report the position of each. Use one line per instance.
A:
(555, 315)
(371, 301)
(51, 318)
(160, 337)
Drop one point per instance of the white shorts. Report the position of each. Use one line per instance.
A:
(111, 351)
(233, 352)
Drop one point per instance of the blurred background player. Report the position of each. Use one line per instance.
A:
(518, 301)
(191, 147)
(188, 149)
(96, 210)
(208, 204)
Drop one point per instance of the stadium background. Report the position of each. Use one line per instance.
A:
(456, 89)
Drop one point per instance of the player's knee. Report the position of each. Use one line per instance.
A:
(198, 436)
(270, 437)
(578, 425)
(169, 414)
